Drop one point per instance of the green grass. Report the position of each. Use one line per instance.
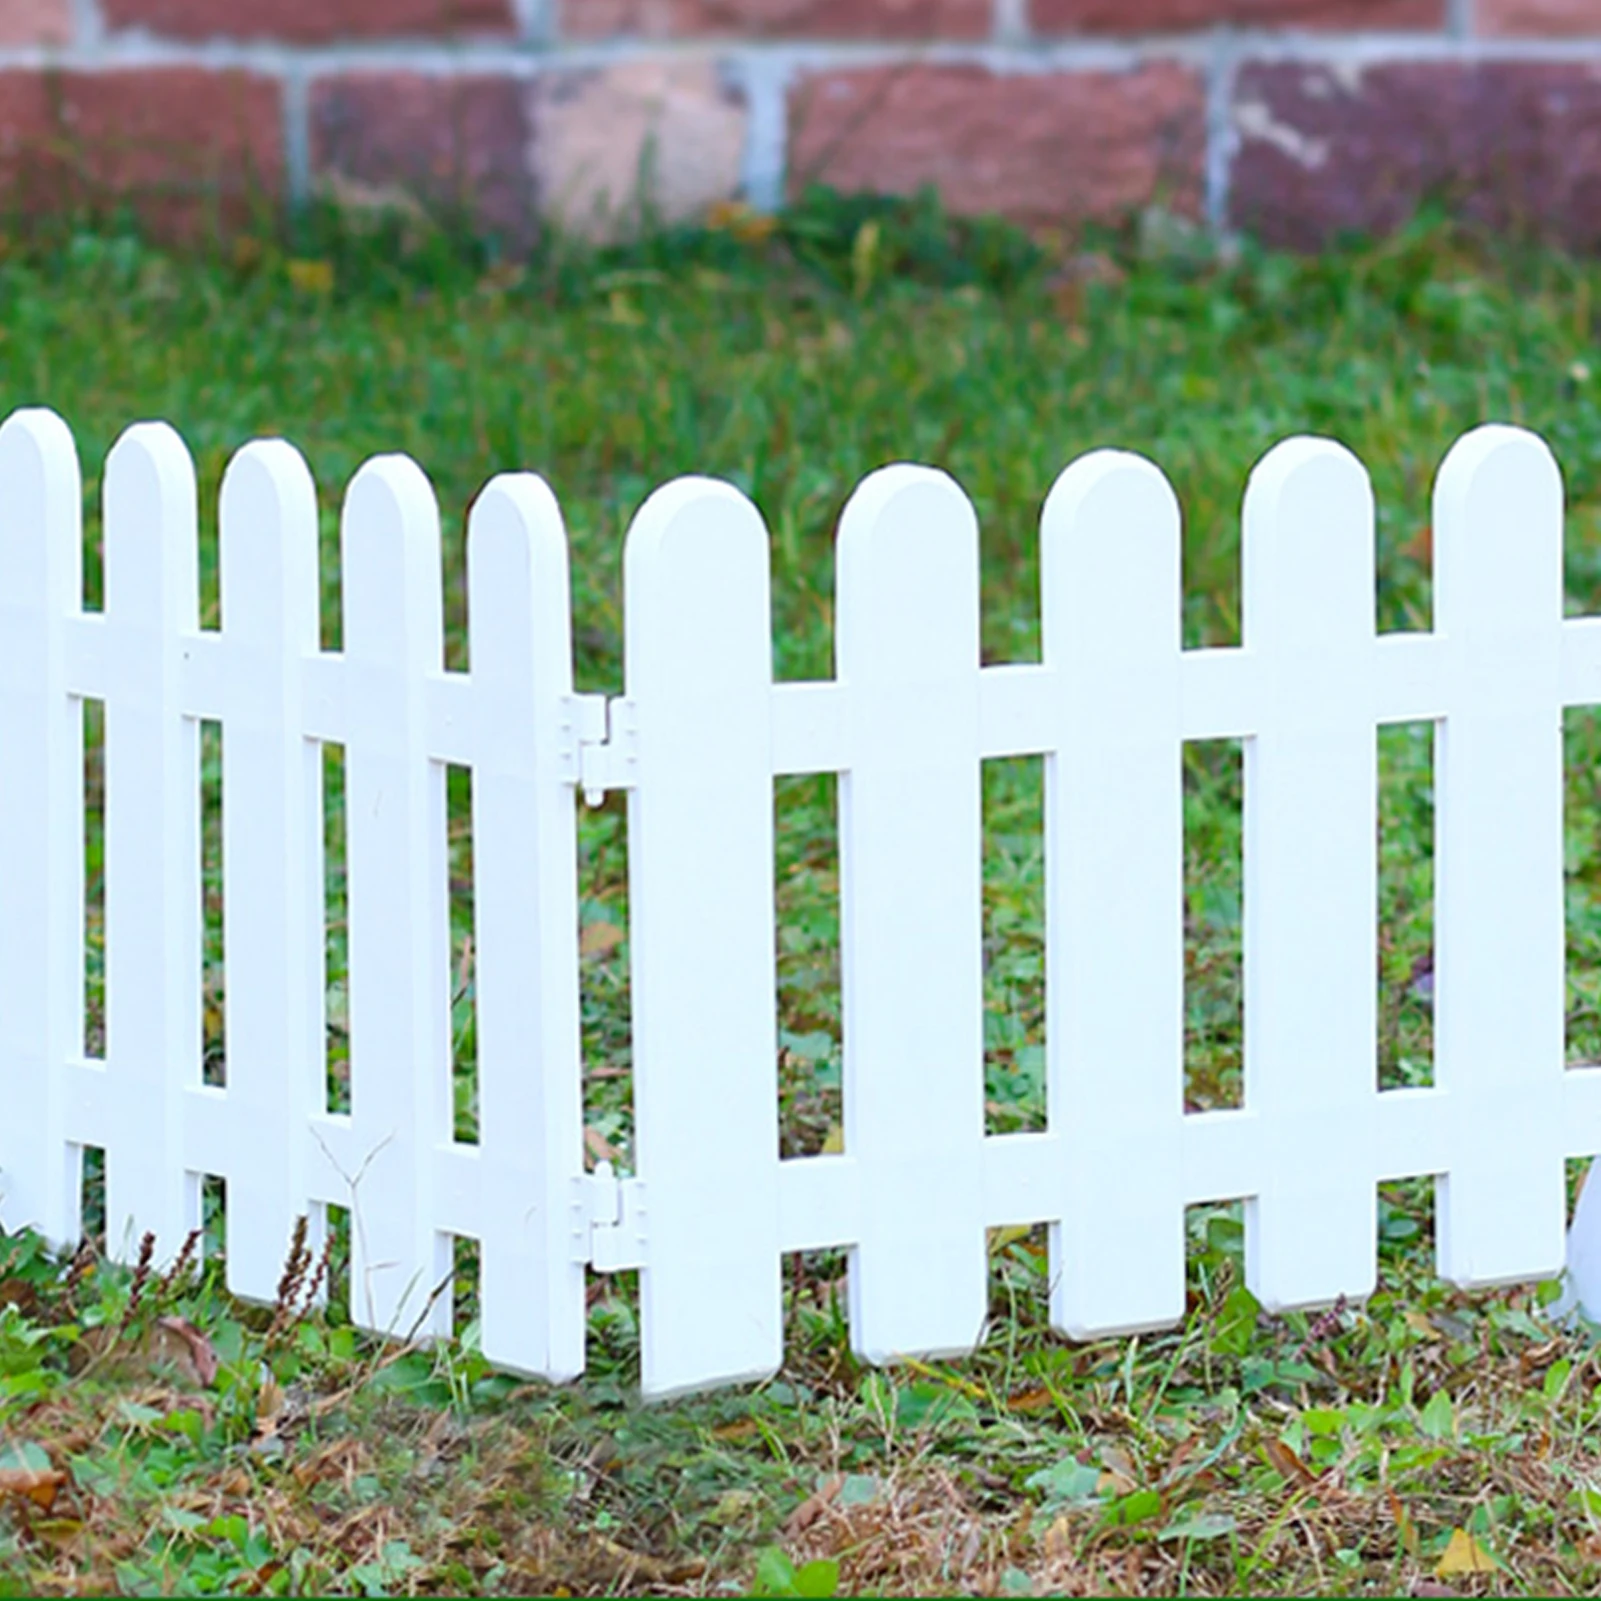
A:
(1236, 1453)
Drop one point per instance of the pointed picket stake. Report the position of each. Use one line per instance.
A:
(398, 907)
(525, 911)
(700, 860)
(1499, 951)
(152, 841)
(1311, 899)
(271, 855)
(911, 896)
(41, 822)
(1114, 849)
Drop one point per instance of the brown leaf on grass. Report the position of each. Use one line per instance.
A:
(186, 1346)
(599, 1146)
(1288, 1465)
(814, 1506)
(20, 1294)
(600, 939)
(1463, 1554)
(38, 1485)
(1035, 1399)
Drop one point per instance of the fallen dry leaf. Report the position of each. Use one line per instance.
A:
(1463, 1554)
(814, 1506)
(599, 1146)
(600, 939)
(187, 1346)
(38, 1485)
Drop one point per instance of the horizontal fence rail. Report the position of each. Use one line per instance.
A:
(697, 739)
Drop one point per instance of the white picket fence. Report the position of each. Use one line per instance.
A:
(697, 740)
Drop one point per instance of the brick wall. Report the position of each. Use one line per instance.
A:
(1290, 118)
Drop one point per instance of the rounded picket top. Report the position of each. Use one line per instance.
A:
(1111, 556)
(1498, 529)
(906, 573)
(152, 523)
(36, 443)
(150, 468)
(1306, 553)
(517, 580)
(390, 552)
(268, 545)
(695, 576)
(516, 519)
(41, 510)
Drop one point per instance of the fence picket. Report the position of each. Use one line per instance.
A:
(1110, 612)
(526, 928)
(41, 823)
(700, 861)
(152, 842)
(399, 947)
(911, 888)
(1499, 961)
(1311, 898)
(271, 857)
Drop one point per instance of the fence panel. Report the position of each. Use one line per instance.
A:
(696, 741)
(1499, 986)
(1311, 899)
(1110, 614)
(41, 823)
(911, 899)
(700, 871)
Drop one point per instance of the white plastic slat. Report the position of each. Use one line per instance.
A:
(271, 856)
(911, 912)
(809, 728)
(526, 928)
(41, 821)
(398, 934)
(152, 840)
(1311, 907)
(700, 854)
(1499, 962)
(1114, 836)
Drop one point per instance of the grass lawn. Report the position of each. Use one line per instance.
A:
(1409, 1443)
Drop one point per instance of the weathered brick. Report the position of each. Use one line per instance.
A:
(1176, 16)
(1510, 146)
(798, 19)
(1556, 18)
(311, 21)
(1047, 148)
(652, 138)
(452, 145)
(191, 150)
(35, 22)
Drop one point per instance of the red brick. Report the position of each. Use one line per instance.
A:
(797, 19)
(1556, 18)
(1514, 147)
(448, 144)
(1046, 148)
(35, 22)
(1177, 16)
(190, 150)
(311, 21)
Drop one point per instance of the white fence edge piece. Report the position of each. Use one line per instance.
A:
(698, 642)
(911, 888)
(1311, 898)
(525, 911)
(399, 940)
(41, 823)
(1114, 835)
(152, 842)
(1499, 962)
(272, 861)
